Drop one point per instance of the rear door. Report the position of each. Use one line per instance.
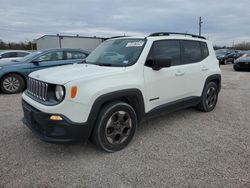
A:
(195, 65)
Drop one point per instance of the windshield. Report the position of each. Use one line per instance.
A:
(118, 52)
(246, 54)
(30, 56)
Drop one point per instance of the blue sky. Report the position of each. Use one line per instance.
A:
(225, 21)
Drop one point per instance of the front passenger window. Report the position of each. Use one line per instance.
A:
(168, 49)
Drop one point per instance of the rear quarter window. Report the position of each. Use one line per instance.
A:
(75, 55)
(204, 48)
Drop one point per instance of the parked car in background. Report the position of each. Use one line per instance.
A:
(243, 62)
(226, 55)
(13, 74)
(12, 54)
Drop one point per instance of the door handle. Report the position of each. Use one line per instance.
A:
(179, 73)
(204, 68)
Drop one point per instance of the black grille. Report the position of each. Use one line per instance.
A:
(37, 89)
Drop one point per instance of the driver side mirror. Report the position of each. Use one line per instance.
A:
(36, 62)
(161, 62)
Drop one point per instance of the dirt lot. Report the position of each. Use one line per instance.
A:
(184, 149)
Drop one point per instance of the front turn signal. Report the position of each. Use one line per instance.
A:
(73, 91)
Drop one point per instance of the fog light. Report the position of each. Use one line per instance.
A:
(56, 118)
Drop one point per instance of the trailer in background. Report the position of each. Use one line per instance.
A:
(62, 41)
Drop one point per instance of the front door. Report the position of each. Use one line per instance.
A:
(167, 84)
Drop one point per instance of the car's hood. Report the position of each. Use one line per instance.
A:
(64, 74)
(220, 55)
(6, 62)
(243, 59)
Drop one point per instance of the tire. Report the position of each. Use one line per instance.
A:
(115, 127)
(209, 97)
(12, 83)
(236, 68)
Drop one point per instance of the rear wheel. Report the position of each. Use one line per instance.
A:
(12, 83)
(115, 127)
(209, 97)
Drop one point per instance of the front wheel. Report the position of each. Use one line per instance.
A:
(236, 68)
(209, 97)
(115, 127)
(12, 83)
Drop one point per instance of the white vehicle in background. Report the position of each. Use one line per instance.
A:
(122, 82)
(9, 55)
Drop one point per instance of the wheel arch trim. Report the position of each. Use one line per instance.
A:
(133, 96)
(214, 77)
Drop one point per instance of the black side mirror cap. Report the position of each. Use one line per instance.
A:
(35, 62)
(161, 62)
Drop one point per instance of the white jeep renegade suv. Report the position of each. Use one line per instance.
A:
(122, 82)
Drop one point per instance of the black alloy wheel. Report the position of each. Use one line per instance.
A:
(115, 126)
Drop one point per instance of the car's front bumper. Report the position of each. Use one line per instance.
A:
(48, 130)
(242, 65)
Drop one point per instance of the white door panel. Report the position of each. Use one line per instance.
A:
(164, 86)
(194, 79)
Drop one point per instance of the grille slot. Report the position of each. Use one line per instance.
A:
(37, 89)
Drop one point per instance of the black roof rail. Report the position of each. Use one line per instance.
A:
(174, 33)
(114, 37)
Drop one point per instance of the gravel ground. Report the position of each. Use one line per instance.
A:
(183, 149)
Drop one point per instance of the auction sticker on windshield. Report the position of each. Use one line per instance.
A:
(135, 44)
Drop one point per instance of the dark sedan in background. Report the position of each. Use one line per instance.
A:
(13, 74)
(226, 55)
(242, 63)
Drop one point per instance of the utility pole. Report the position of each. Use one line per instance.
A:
(200, 22)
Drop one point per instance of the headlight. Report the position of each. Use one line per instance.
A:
(59, 91)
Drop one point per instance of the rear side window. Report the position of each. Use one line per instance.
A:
(168, 49)
(75, 55)
(191, 52)
(204, 49)
(21, 54)
(51, 56)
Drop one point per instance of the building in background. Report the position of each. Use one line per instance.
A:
(61, 41)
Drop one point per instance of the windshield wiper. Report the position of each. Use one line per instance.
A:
(103, 64)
